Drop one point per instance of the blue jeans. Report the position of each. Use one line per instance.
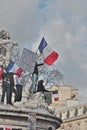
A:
(6, 90)
(34, 83)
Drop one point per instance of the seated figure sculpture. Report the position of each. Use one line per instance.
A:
(40, 87)
(4, 35)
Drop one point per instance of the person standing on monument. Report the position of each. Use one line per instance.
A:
(7, 83)
(19, 88)
(35, 77)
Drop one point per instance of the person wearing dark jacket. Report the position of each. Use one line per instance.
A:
(7, 87)
(35, 77)
(41, 87)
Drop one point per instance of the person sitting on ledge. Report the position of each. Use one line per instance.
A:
(40, 87)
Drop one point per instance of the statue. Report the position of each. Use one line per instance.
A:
(4, 35)
(5, 47)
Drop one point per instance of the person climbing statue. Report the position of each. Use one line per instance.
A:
(35, 77)
(41, 87)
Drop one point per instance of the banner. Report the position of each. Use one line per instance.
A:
(28, 60)
(32, 121)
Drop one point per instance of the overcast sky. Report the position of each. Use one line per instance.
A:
(63, 23)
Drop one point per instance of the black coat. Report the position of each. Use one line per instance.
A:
(8, 79)
(41, 88)
(36, 68)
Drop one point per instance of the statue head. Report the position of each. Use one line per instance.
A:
(4, 35)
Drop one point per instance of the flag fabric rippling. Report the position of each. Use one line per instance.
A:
(50, 56)
(12, 67)
(55, 95)
(42, 45)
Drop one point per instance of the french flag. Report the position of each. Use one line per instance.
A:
(12, 67)
(50, 56)
(55, 95)
(7, 128)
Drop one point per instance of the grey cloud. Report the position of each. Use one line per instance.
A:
(61, 22)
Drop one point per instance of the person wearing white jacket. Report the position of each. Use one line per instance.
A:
(19, 88)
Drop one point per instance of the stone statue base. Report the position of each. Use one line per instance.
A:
(36, 101)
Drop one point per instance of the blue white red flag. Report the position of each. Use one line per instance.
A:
(55, 95)
(12, 67)
(42, 45)
(50, 56)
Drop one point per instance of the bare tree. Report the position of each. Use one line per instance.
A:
(53, 77)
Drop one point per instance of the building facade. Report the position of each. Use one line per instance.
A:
(69, 109)
(74, 117)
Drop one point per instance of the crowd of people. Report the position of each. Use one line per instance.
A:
(11, 83)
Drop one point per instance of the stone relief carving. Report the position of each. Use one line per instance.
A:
(5, 47)
(4, 34)
(36, 101)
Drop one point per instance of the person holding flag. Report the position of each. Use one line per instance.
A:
(50, 56)
(8, 81)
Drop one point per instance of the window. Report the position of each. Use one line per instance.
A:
(68, 114)
(84, 110)
(76, 112)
